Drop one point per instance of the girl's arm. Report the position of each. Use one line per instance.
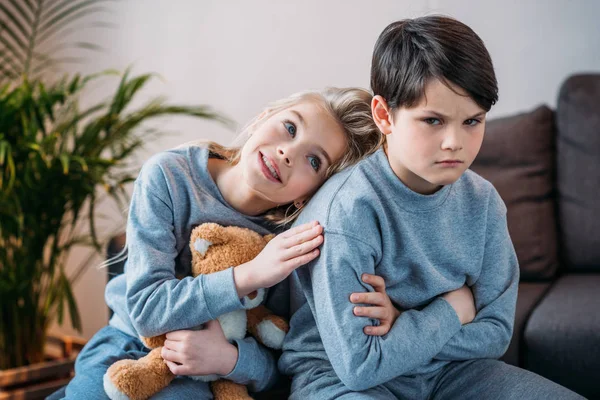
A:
(157, 301)
(207, 352)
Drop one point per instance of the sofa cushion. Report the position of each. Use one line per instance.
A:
(562, 337)
(578, 171)
(518, 156)
(530, 294)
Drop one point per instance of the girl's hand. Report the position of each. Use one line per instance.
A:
(282, 255)
(202, 352)
(463, 303)
(382, 307)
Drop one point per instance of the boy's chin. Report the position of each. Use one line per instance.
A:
(448, 179)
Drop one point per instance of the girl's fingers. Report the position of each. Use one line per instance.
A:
(172, 345)
(370, 312)
(301, 249)
(380, 330)
(177, 336)
(291, 264)
(376, 299)
(171, 355)
(302, 237)
(376, 281)
(298, 229)
(176, 369)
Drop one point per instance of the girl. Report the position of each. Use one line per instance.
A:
(292, 147)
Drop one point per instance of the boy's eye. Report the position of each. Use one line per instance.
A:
(432, 121)
(471, 122)
(315, 163)
(290, 127)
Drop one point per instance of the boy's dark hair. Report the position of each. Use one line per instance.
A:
(410, 52)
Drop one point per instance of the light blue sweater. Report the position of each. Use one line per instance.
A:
(174, 193)
(423, 246)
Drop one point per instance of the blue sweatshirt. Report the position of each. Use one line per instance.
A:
(174, 193)
(423, 246)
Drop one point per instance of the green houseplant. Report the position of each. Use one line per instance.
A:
(56, 161)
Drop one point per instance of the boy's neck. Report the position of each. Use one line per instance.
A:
(240, 197)
(410, 179)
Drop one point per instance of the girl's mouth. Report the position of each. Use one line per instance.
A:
(268, 168)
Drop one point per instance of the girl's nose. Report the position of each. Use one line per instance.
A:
(284, 157)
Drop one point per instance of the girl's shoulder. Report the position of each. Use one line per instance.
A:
(179, 166)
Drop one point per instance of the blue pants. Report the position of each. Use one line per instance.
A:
(473, 379)
(105, 348)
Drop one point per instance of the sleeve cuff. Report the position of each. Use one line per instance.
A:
(220, 293)
(242, 371)
(449, 319)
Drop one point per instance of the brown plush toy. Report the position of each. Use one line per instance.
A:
(214, 248)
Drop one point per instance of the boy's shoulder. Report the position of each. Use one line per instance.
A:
(478, 191)
(347, 196)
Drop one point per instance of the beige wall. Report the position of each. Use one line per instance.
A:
(238, 55)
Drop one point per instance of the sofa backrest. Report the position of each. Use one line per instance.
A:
(578, 172)
(518, 158)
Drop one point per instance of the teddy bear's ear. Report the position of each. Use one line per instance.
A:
(206, 235)
(201, 246)
(268, 238)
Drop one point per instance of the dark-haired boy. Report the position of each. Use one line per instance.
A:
(413, 214)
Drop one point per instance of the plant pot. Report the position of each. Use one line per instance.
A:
(36, 381)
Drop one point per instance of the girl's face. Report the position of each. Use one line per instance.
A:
(287, 156)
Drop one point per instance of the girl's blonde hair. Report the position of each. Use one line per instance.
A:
(351, 107)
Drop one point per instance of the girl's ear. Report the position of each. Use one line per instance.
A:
(299, 203)
(381, 114)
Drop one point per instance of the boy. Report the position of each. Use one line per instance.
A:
(414, 214)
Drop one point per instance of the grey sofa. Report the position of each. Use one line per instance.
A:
(546, 166)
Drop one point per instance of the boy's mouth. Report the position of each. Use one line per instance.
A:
(269, 168)
(450, 163)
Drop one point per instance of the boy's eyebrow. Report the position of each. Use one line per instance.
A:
(437, 114)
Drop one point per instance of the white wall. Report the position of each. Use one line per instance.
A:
(238, 55)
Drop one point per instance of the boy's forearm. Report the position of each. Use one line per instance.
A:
(363, 361)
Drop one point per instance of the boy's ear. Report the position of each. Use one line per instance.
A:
(381, 114)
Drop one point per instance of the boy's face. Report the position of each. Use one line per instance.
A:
(433, 143)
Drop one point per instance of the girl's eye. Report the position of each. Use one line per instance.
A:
(432, 121)
(315, 163)
(471, 122)
(291, 128)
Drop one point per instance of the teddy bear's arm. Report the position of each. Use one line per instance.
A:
(266, 327)
(154, 342)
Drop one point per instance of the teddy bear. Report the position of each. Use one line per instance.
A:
(214, 248)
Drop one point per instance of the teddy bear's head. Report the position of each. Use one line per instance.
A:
(216, 248)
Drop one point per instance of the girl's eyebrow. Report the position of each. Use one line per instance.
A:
(300, 117)
(322, 151)
(304, 126)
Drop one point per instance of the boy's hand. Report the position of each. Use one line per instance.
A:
(382, 307)
(463, 303)
(281, 256)
(202, 352)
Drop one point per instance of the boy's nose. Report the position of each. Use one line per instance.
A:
(452, 141)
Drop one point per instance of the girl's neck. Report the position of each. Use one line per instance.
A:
(230, 182)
